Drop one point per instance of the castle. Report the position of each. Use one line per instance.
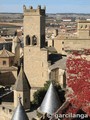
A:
(37, 67)
(35, 72)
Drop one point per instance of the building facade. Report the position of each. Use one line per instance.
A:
(76, 41)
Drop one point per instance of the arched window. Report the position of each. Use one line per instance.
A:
(34, 40)
(27, 40)
(85, 26)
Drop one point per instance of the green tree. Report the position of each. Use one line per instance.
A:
(39, 94)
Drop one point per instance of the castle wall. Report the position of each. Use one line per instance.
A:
(76, 44)
(70, 44)
(59, 46)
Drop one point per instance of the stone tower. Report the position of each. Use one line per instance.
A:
(83, 29)
(22, 89)
(35, 53)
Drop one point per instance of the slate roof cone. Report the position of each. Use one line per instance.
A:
(51, 101)
(22, 83)
(19, 113)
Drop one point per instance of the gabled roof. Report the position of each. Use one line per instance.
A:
(51, 101)
(22, 83)
(19, 113)
(61, 64)
(5, 53)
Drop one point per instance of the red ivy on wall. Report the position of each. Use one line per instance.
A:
(78, 80)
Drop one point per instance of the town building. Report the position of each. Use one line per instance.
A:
(8, 72)
(76, 41)
(9, 101)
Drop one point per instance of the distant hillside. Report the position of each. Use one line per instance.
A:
(11, 17)
(76, 15)
(18, 17)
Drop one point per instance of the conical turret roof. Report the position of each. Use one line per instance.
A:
(19, 113)
(22, 83)
(51, 101)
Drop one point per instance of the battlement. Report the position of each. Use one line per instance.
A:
(32, 11)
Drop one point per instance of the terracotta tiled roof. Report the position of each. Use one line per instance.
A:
(5, 53)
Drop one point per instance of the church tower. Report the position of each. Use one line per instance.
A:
(34, 26)
(35, 53)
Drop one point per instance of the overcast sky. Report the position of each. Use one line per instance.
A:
(52, 6)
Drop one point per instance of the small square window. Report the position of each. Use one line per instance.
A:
(62, 48)
(3, 108)
(4, 62)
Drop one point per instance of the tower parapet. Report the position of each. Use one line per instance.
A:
(32, 11)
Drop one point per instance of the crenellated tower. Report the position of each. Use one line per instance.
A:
(34, 26)
(35, 53)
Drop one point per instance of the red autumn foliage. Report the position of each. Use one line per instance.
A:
(78, 79)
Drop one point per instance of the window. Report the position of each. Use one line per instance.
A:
(10, 110)
(4, 62)
(3, 108)
(27, 40)
(62, 48)
(85, 26)
(34, 40)
(53, 43)
(62, 42)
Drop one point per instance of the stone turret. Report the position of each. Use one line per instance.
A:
(83, 29)
(22, 89)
